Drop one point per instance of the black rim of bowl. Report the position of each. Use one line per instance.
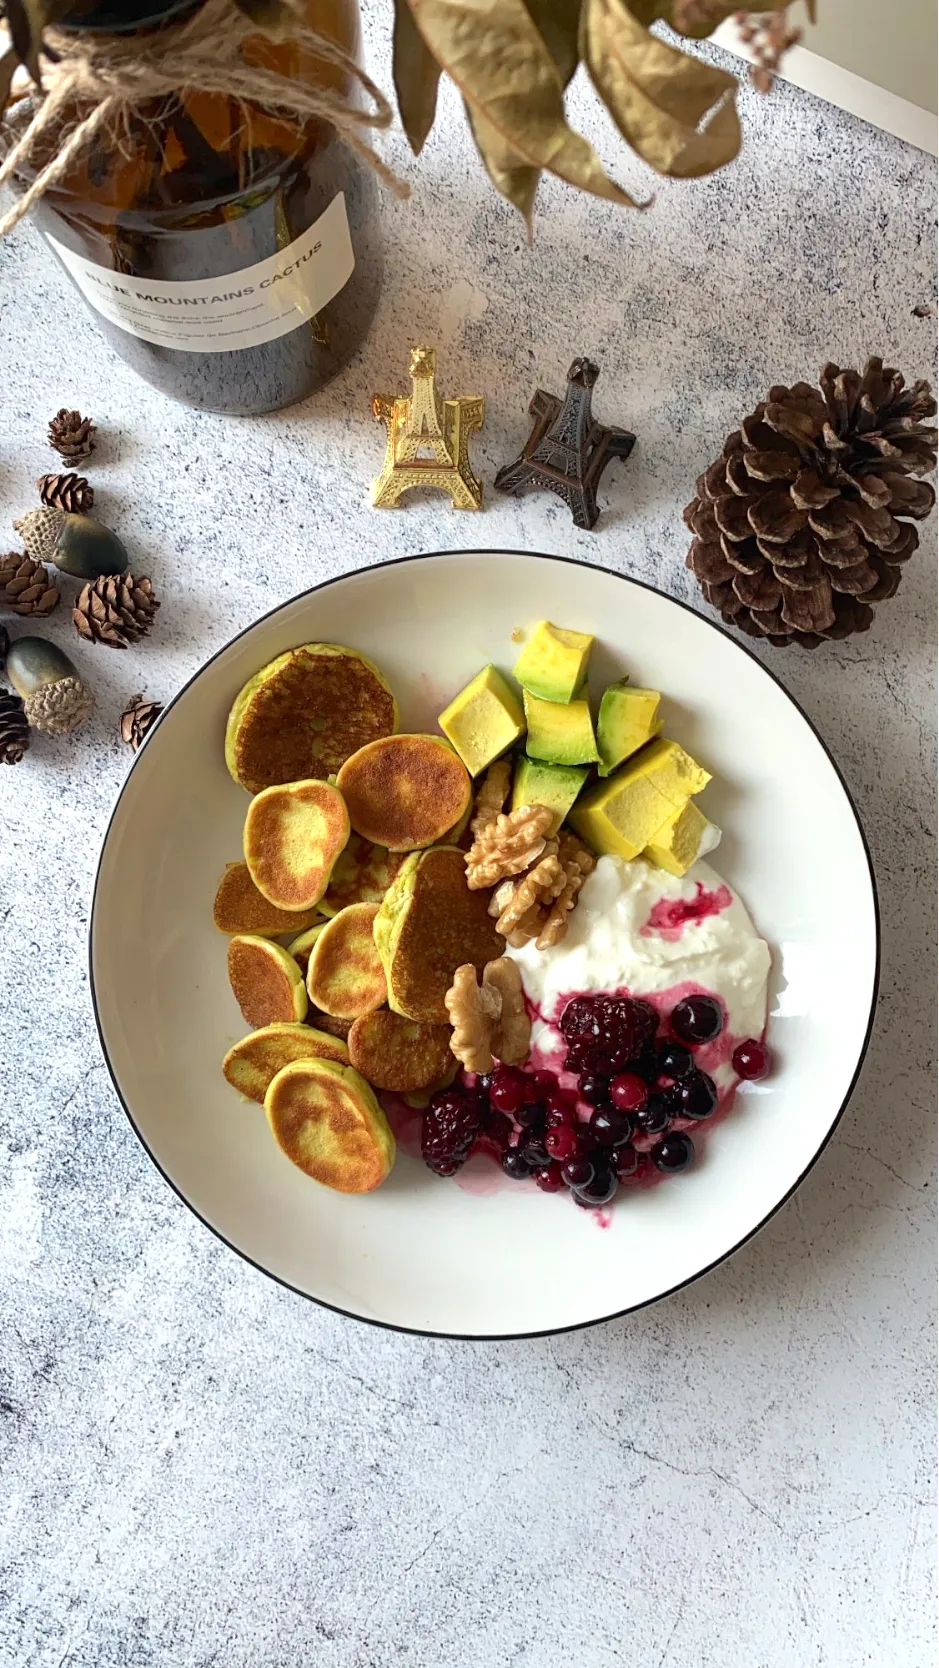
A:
(631, 1308)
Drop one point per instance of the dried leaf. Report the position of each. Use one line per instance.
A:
(511, 175)
(416, 75)
(659, 97)
(500, 63)
(558, 24)
(26, 20)
(698, 21)
(9, 65)
(268, 12)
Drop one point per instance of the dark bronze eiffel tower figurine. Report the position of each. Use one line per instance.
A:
(567, 450)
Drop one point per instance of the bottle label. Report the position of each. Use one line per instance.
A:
(240, 310)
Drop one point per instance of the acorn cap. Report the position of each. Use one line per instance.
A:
(60, 707)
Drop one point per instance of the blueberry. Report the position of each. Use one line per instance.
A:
(516, 1165)
(578, 1172)
(655, 1116)
(696, 1095)
(697, 1019)
(599, 1191)
(610, 1127)
(675, 1153)
(673, 1059)
(594, 1090)
(535, 1154)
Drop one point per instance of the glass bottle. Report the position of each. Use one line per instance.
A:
(209, 222)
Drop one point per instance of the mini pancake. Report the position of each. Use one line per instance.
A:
(345, 976)
(240, 907)
(405, 791)
(254, 1062)
(363, 874)
(427, 926)
(330, 1023)
(304, 713)
(301, 947)
(292, 836)
(397, 1053)
(266, 981)
(326, 1119)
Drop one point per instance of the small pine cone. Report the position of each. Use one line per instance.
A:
(25, 586)
(116, 611)
(137, 719)
(71, 493)
(57, 708)
(71, 435)
(14, 728)
(799, 526)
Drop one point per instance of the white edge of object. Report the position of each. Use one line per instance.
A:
(848, 91)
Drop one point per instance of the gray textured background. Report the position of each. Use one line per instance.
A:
(198, 1467)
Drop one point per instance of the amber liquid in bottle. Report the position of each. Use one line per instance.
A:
(201, 187)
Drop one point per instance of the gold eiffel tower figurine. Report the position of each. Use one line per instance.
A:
(428, 439)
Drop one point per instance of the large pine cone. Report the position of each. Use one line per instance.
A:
(796, 524)
(25, 586)
(115, 611)
(14, 730)
(71, 435)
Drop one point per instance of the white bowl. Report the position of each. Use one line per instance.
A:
(420, 1253)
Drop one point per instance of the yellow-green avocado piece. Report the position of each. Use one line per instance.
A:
(553, 663)
(559, 732)
(621, 815)
(484, 720)
(556, 786)
(677, 844)
(625, 722)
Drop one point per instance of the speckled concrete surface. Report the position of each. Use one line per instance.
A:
(200, 1468)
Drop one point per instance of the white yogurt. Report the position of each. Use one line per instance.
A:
(626, 933)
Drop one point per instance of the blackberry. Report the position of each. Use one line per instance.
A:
(450, 1126)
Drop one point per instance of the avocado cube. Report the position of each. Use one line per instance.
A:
(626, 721)
(682, 840)
(553, 663)
(623, 813)
(483, 720)
(561, 733)
(556, 786)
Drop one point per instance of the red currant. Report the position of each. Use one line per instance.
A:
(562, 1142)
(549, 1179)
(750, 1060)
(507, 1090)
(629, 1092)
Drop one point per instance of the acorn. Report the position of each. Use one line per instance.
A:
(54, 698)
(77, 544)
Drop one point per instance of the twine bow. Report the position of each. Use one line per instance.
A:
(117, 74)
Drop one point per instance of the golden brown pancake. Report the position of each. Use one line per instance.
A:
(254, 1062)
(330, 1023)
(301, 947)
(345, 976)
(362, 874)
(266, 981)
(304, 713)
(292, 836)
(397, 1053)
(326, 1119)
(430, 924)
(405, 791)
(240, 907)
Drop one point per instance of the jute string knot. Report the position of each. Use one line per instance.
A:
(105, 78)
